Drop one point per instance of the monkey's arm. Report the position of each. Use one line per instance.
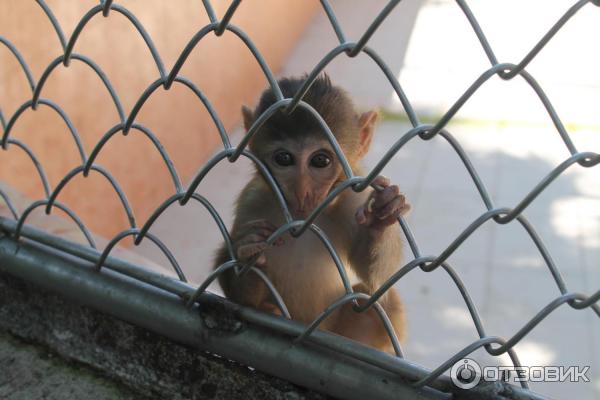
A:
(236, 288)
(376, 251)
(248, 235)
(375, 255)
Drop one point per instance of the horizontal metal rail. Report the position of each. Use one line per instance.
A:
(245, 340)
(153, 301)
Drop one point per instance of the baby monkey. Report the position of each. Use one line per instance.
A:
(362, 226)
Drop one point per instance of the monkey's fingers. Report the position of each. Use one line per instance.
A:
(381, 180)
(246, 251)
(376, 201)
(381, 199)
(391, 207)
(404, 209)
(261, 261)
(259, 227)
(252, 238)
(261, 233)
(391, 211)
(362, 215)
(263, 223)
(257, 224)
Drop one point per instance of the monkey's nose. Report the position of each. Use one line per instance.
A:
(301, 197)
(302, 203)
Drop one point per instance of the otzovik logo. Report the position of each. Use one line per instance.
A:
(466, 373)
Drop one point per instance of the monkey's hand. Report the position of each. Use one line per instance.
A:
(382, 208)
(252, 241)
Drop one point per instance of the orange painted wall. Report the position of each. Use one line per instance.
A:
(220, 66)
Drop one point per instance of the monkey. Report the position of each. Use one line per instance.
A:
(362, 226)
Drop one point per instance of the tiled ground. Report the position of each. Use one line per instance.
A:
(513, 146)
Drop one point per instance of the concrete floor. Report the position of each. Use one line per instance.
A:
(510, 141)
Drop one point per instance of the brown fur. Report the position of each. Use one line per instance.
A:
(301, 269)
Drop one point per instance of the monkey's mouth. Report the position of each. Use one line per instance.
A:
(305, 210)
(299, 213)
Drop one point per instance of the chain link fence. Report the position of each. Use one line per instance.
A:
(413, 376)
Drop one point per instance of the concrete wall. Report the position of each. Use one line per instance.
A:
(221, 66)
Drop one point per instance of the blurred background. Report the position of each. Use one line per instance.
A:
(435, 55)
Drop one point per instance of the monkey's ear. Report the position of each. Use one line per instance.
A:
(366, 123)
(248, 115)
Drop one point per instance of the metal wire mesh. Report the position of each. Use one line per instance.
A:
(182, 194)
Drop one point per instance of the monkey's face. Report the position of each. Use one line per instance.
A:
(306, 171)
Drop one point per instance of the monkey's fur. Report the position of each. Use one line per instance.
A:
(361, 226)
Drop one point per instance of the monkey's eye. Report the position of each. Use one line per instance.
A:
(320, 160)
(283, 158)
